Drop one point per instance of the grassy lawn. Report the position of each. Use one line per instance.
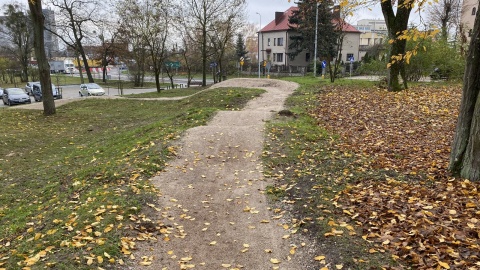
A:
(178, 92)
(364, 172)
(75, 184)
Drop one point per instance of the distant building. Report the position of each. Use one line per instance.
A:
(374, 32)
(275, 39)
(467, 18)
(51, 40)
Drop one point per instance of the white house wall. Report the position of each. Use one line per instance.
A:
(350, 46)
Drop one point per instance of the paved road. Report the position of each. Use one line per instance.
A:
(71, 92)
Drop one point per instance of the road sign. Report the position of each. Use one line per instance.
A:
(352, 59)
(171, 64)
(242, 59)
(213, 64)
(241, 63)
(324, 64)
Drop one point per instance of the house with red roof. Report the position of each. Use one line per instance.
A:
(274, 41)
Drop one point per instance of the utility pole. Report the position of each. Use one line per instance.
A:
(259, 44)
(316, 41)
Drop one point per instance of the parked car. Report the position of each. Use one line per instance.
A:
(37, 92)
(13, 96)
(1, 92)
(91, 89)
(29, 88)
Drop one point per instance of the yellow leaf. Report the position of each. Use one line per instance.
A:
(213, 243)
(274, 261)
(145, 263)
(339, 266)
(319, 258)
(444, 265)
(100, 259)
(226, 265)
(89, 261)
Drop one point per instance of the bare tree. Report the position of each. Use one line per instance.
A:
(446, 15)
(222, 34)
(74, 19)
(38, 20)
(109, 47)
(19, 39)
(146, 24)
(202, 15)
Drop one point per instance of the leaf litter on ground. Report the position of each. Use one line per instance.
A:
(417, 210)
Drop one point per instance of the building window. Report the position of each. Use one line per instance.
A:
(474, 11)
(274, 42)
(280, 42)
(268, 42)
(307, 57)
(349, 56)
(274, 57)
(279, 57)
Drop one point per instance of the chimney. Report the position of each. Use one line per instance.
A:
(278, 17)
(336, 12)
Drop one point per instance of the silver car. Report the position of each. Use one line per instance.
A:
(29, 87)
(91, 89)
(13, 96)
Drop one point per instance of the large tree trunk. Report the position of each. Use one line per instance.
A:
(396, 25)
(43, 66)
(465, 155)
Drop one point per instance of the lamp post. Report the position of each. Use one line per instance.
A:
(259, 44)
(316, 41)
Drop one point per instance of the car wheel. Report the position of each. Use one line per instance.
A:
(8, 102)
(80, 93)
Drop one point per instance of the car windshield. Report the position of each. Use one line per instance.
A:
(16, 91)
(93, 86)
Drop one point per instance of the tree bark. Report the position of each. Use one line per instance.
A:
(43, 66)
(465, 154)
(396, 25)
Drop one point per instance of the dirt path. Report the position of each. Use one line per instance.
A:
(213, 205)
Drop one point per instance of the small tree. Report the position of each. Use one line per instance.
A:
(16, 33)
(241, 49)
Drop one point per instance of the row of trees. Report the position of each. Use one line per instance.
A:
(145, 34)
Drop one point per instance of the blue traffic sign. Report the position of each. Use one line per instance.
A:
(324, 64)
(352, 59)
(213, 64)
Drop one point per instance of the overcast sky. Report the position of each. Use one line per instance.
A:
(266, 9)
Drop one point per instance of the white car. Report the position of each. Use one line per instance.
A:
(91, 89)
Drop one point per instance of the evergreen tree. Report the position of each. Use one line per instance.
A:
(241, 48)
(303, 22)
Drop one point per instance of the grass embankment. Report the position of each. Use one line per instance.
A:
(364, 171)
(74, 184)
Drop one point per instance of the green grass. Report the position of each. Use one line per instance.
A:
(71, 182)
(309, 171)
(178, 92)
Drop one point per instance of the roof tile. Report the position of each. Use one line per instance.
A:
(283, 24)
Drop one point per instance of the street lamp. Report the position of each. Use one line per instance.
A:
(259, 44)
(315, 52)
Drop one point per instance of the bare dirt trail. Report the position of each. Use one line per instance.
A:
(213, 205)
